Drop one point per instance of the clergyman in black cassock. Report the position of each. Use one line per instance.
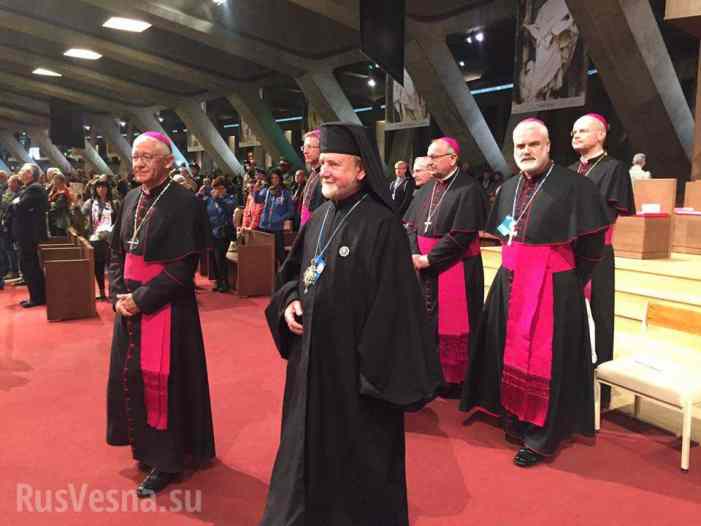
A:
(613, 181)
(158, 392)
(362, 356)
(532, 362)
(443, 223)
(402, 187)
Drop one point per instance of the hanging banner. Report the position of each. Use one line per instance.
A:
(551, 60)
(405, 108)
(248, 138)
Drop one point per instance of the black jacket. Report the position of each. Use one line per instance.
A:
(29, 215)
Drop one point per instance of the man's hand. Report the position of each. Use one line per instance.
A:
(294, 308)
(126, 306)
(420, 262)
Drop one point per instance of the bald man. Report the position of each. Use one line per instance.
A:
(531, 361)
(443, 224)
(612, 179)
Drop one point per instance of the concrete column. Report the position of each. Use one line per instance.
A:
(41, 137)
(93, 159)
(325, 95)
(440, 82)
(198, 122)
(5, 168)
(257, 114)
(146, 120)
(9, 141)
(625, 44)
(110, 130)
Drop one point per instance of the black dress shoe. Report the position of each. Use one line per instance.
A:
(28, 304)
(155, 482)
(526, 458)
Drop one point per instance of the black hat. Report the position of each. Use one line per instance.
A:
(353, 139)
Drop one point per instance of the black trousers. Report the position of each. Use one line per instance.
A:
(32, 273)
(221, 270)
(279, 244)
(101, 252)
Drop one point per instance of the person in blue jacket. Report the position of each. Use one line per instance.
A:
(220, 211)
(277, 208)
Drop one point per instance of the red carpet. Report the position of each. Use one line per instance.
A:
(52, 403)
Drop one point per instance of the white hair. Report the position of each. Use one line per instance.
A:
(639, 159)
(143, 138)
(34, 168)
(422, 162)
(532, 123)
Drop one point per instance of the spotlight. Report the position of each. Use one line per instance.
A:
(462, 63)
(372, 83)
(479, 37)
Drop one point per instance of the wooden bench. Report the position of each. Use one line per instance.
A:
(667, 376)
(70, 280)
(252, 266)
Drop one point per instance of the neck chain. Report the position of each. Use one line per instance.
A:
(513, 231)
(429, 215)
(134, 242)
(594, 165)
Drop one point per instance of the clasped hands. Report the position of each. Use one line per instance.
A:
(126, 306)
(420, 261)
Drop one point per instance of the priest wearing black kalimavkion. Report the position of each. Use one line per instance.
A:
(443, 224)
(613, 181)
(532, 361)
(349, 319)
(158, 393)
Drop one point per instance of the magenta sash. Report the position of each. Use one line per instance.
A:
(155, 345)
(527, 371)
(304, 216)
(453, 313)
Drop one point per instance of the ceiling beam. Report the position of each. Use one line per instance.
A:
(127, 55)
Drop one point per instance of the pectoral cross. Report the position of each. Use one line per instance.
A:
(133, 243)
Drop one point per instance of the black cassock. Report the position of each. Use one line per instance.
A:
(456, 219)
(566, 211)
(174, 235)
(613, 181)
(365, 357)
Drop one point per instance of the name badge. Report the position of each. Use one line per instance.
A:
(507, 226)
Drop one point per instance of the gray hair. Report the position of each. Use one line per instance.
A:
(423, 162)
(533, 123)
(639, 159)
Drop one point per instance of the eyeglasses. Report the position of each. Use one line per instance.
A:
(146, 157)
(434, 157)
(308, 147)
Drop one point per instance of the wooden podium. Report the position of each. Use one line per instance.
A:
(692, 195)
(658, 191)
(643, 236)
(686, 233)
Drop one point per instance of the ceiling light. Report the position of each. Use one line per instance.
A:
(372, 83)
(126, 24)
(219, 2)
(86, 127)
(82, 53)
(161, 119)
(122, 124)
(462, 63)
(468, 40)
(46, 72)
(479, 37)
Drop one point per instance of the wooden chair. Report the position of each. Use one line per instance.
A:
(252, 269)
(672, 380)
(70, 280)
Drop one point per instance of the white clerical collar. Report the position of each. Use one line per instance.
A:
(589, 156)
(451, 174)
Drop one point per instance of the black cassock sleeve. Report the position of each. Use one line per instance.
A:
(286, 292)
(398, 360)
(166, 286)
(618, 191)
(450, 249)
(588, 251)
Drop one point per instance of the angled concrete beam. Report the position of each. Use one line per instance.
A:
(19, 115)
(198, 122)
(626, 45)
(41, 137)
(8, 140)
(91, 157)
(146, 120)
(325, 95)
(26, 85)
(109, 128)
(134, 57)
(441, 83)
(89, 76)
(257, 114)
(207, 32)
(4, 167)
(27, 103)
